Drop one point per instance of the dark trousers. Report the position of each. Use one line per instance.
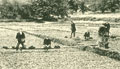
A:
(17, 47)
(72, 34)
(86, 38)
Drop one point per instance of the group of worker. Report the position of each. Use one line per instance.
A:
(103, 36)
(21, 40)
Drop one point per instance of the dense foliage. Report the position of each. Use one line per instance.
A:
(106, 5)
(49, 9)
(12, 11)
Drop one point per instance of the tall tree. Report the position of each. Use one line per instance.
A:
(46, 8)
(83, 7)
(73, 5)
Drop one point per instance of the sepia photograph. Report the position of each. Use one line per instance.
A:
(59, 34)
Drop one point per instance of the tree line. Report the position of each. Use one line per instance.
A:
(49, 9)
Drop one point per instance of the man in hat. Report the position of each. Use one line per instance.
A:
(73, 29)
(107, 25)
(21, 39)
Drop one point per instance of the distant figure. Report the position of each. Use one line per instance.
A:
(73, 29)
(101, 33)
(107, 25)
(87, 35)
(21, 39)
(47, 43)
(103, 37)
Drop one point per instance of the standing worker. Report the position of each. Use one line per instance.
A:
(73, 29)
(101, 33)
(107, 25)
(103, 36)
(107, 28)
(21, 39)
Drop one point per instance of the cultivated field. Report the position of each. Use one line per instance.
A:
(59, 31)
(65, 57)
